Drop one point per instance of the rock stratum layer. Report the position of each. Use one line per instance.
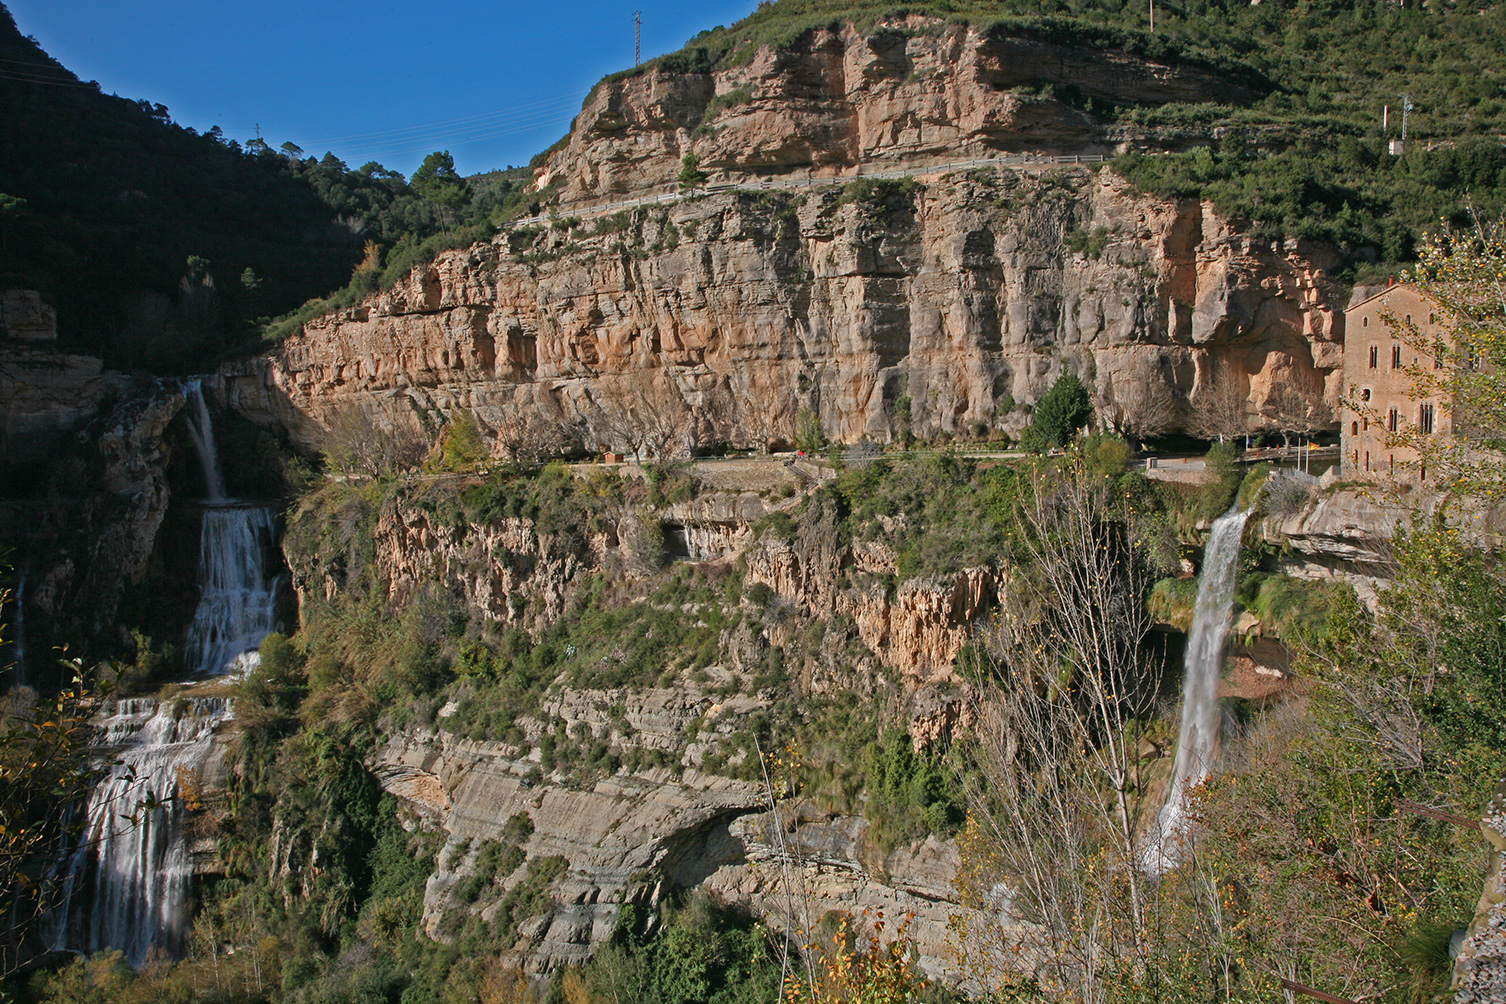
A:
(946, 304)
(943, 308)
(912, 91)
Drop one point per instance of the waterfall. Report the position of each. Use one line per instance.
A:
(134, 856)
(238, 604)
(201, 431)
(133, 842)
(1204, 664)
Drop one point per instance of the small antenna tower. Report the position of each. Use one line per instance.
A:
(1406, 111)
(637, 38)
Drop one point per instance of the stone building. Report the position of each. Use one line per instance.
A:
(1376, 379)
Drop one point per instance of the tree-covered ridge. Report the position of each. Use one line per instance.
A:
(160, 247)
(1307, 158)
(1343, 60)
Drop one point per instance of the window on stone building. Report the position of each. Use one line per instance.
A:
(1396, 357)
(1393, 420)
(1374, 356)
(1425, 417)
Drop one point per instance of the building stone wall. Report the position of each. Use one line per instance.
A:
(1378, 384)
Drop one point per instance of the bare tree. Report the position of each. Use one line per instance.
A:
(1058, 797)
(1292, 409)
(650, 420)
(1220, 406)
(535, 438)
(355, 444)
(1143, 401)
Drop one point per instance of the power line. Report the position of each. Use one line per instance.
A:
(13, 75)
(453, 141)
(545, 106)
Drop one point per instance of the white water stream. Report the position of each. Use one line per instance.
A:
(1204, 661)
(237, 607)
(134, 854)
(133, 844)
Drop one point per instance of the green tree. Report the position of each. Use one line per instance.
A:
(691, 175)
(463, 446)
(437, 181)
(11, 207)
(808, 434)
(1058, 416)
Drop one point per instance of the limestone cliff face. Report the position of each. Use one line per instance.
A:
(940, 309)
(946, 305)
(501, 569)
(508, 572)
(98, 534)
(635, 836)
(914, 90)
(45, 396)
(1480, 969)
(916, 627)
(671, 812)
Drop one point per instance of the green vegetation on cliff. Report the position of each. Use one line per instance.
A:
(1306, 156)
(161, 247)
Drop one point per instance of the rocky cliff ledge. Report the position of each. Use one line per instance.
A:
(682, 802)
(634, 836)
(911, 91)
(943, 307)
(944, 304)
(1480, 969)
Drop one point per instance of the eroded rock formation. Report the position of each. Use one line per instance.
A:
(947, 304)
(940, 309)
(913, 91)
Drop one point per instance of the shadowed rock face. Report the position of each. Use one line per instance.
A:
(945, 308)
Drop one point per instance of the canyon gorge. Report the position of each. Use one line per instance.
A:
(523, 705)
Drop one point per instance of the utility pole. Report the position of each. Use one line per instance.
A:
(637, 38)
(1153, 16)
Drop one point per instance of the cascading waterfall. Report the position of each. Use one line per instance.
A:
(1204, 665)
(237, 607)
(238, 604)
(134, 841)
(134, 847)
(201, 431)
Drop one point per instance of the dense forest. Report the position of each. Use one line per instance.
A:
(163, 249)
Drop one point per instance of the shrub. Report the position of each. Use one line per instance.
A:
(1058, 416)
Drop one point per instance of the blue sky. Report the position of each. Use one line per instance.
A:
(494, 83)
